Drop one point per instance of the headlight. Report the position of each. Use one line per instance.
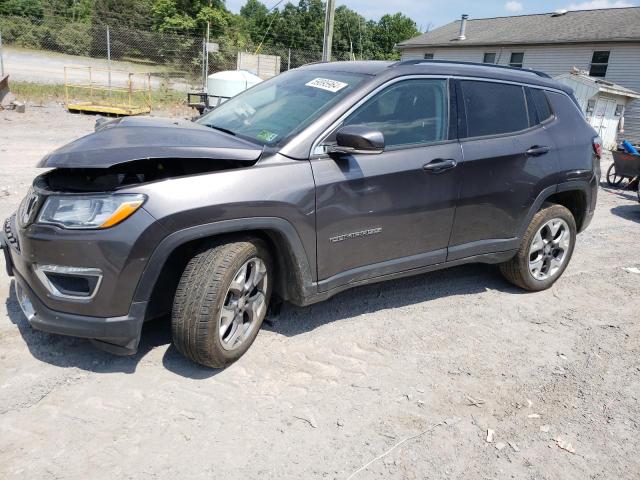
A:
(89, 211)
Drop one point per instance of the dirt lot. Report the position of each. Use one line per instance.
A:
(439, 359)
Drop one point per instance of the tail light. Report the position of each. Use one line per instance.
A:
(597, 146)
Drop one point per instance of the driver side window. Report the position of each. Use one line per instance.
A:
(410, 112)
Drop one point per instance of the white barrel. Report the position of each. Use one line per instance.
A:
(229, 83)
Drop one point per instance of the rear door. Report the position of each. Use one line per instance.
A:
(379, 214)
(509, 157)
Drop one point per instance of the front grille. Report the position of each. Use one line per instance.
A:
(11, 237)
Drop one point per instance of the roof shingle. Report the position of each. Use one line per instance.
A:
(584, 26)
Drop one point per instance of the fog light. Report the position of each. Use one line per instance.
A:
(25, 304)
(78, 283)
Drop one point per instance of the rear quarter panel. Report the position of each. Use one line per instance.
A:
(572, 136)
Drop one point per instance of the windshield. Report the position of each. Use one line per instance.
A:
(274, 110)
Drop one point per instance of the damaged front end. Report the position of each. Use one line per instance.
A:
(81, 239)
(132, 151)
(128, 174)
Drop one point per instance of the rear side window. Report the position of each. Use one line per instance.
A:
(541, 104)
(494, 108)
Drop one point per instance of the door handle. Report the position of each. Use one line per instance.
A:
(440, 165)
(538, 150)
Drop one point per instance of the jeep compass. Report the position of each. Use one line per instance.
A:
(323, 178)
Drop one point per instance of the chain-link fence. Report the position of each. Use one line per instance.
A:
(37, 50)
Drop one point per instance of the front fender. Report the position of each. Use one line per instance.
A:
(304, 286)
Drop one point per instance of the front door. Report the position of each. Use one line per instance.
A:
(383, 213)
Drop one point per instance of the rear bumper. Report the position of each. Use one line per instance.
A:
(592, 200)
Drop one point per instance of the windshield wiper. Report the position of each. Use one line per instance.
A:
(222, 129)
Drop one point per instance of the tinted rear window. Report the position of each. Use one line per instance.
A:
(541, 104)
(494, 108)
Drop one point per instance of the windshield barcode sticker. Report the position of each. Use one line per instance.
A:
(327, 84)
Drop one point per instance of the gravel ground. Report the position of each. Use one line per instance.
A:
(437, 359)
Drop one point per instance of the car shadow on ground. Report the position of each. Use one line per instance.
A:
(68, 352)
(461, 280)
(620, 192)
(628, 212)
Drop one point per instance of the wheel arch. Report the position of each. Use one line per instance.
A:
(573, 200)
(575, 195)
(294, 278)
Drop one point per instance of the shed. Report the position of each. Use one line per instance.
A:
(602, 102)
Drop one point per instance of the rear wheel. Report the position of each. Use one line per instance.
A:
(221, 301)
(613, 179)
(545, 251)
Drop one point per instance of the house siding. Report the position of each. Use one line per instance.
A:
(623, 69)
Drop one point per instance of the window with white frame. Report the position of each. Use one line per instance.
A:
(517, 59)
(489, 57)
(599, 63)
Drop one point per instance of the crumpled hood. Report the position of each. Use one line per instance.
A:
(136, 138)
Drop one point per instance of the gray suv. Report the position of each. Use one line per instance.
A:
(323, 178)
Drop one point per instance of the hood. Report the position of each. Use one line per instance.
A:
(136, 138)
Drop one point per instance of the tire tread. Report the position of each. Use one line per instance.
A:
(197, 299)
(516, 270)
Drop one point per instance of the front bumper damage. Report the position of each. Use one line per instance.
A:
(118, 334)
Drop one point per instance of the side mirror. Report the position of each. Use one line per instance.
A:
(358, 139)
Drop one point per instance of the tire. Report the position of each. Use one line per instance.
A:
(527, 268)
(207, 308)
(613, 179)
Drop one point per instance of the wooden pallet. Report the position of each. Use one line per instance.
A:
(108, 109)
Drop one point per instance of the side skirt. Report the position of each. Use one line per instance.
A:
(490, 258)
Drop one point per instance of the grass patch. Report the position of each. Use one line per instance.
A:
(40, 93)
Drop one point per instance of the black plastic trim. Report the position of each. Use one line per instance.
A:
(121, 331)
(490, 258)
(387, 267)
(171, 242)
(8, 263)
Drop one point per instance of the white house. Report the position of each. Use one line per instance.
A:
(605, 43)
(602, 102)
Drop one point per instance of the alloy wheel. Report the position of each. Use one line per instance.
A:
(549, 249)
(245, 304)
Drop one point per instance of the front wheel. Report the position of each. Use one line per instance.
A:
(221, 301)
(613, 179)
(545, 251)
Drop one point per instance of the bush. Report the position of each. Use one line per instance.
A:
(73, 38)
(21, 31)
(58, 35)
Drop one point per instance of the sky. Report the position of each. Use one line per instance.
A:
(429, 14)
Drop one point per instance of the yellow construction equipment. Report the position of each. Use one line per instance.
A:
(105, 90)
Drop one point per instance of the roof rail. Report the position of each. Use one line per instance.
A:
(476, 64)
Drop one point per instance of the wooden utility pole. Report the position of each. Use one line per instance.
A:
(328, 30)
(206, 58)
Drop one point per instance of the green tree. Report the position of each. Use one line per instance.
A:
(22, 8)
(391, 30)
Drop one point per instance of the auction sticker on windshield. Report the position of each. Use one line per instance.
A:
(327, 84)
